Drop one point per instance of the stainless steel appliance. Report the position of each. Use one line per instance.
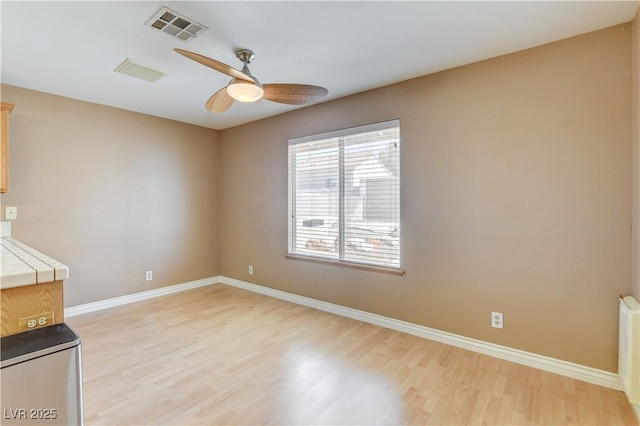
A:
(41, 377)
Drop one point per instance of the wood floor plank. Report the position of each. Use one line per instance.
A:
(221, 355)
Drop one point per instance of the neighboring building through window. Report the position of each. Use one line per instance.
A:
(344, 195)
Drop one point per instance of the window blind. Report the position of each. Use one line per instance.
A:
(344, 195)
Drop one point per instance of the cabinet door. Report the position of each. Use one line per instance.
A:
(4, 146)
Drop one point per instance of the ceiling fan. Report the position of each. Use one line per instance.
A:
(244, 87)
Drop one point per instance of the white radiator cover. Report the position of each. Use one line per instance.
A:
(629, 348)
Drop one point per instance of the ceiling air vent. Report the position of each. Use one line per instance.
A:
(176, 25)
(138, 70)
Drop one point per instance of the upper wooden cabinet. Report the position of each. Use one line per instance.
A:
(4, 153)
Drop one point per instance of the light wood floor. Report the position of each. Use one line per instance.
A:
(221, 355)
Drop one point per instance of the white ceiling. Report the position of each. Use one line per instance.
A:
(72, 48)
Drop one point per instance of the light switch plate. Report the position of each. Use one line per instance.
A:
(11, 213)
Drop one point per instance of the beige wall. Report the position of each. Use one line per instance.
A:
(516, 186)
(112, 194)
(635, 75)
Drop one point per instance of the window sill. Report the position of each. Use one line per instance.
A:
(380, 269)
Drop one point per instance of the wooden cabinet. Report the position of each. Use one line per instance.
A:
(31, 306)
(4, 151)
(31, 288)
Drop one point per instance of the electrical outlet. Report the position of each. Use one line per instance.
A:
(497, 320)
(250, 270)
(148, 275)
(35, 321)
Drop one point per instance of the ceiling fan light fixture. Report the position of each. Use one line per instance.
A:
(243, 91)
(244, 87)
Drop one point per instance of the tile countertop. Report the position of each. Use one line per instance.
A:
(23, 265)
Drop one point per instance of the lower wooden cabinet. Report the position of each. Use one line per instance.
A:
(31, 306)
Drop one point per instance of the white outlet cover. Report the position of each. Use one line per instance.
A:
(497, 320)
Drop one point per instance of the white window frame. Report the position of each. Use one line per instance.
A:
(292, 173)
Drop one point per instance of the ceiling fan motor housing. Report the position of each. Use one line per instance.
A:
(245, 55)
(241, 90)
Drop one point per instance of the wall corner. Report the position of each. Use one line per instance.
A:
(635, 120)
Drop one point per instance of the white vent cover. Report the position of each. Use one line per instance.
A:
(138, 70)
(175, 25)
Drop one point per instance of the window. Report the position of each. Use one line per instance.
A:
(344, 195)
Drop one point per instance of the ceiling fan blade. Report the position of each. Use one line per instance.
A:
(219, 101)
(293, 94)
(216, 65)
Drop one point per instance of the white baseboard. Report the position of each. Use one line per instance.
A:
(136, 297)
(553, 365)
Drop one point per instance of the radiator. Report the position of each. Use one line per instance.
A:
(629, 348)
